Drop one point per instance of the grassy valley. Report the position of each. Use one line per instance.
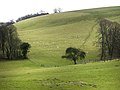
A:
(49, 37)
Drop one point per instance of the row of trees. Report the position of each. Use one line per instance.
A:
(30, 16)
(57, 10)
(11, 47)
(109, 39)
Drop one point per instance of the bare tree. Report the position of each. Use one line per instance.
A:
(59, 10)
(109, 39)
(55, 10)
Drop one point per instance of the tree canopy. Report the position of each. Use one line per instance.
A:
(30, 16)
(74, 54)
(9, 42)
(25, 47)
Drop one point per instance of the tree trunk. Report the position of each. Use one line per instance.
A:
(75, 61)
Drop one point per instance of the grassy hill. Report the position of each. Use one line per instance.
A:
(49, 36)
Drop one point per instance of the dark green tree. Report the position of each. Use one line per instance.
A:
(25, 49)
(74, 54)
(9, 41)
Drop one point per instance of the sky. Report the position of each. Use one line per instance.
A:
(13, 9)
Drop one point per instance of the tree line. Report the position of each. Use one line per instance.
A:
(30, 16)
(11, 47)
(57, 10)
(109, 39)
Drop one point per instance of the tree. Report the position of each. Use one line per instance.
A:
(74, 54)
(109, 39)
(9, 41)
(55, 10)
(31, 15)
(59, 10)
(25, 47)
(11, 47)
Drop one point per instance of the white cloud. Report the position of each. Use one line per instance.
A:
(12, 9)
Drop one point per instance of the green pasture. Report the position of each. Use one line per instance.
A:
(24, 75)
(49, 37)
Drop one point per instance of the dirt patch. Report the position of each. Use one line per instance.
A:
(57, 82)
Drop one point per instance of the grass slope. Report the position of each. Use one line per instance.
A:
(49, 36)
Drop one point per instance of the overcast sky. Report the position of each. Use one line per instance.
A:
(12, 9)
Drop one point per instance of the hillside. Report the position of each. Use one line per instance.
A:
(50, 35)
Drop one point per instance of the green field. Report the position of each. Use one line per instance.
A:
(93, 76)
(49, 36)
